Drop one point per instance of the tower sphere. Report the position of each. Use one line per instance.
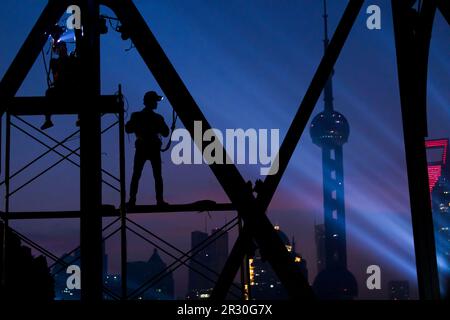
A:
(329, 128)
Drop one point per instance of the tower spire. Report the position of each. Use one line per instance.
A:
(325, 20)
(330, 131)
(328, 90)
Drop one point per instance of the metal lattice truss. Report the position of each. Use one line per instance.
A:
(184, 259)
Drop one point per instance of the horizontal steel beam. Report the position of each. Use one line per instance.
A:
(111, 211)
(188, 207)
(31, 106)
(107, 211)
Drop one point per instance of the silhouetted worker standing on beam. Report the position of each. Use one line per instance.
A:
(148, 126)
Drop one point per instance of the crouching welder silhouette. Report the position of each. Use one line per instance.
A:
(148, 126)
(65, 71)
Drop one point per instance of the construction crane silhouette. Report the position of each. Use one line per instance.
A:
(411, 36)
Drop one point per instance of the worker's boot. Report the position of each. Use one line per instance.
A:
(131, 203)
(161, 203)
(47, 124)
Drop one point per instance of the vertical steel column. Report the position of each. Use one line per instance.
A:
(7, 189)
(7, 161)
(123, 227)
(1, 142)
(412, 58)
(90, 156)
(243, 289)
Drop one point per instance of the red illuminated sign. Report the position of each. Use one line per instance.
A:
(435, 168)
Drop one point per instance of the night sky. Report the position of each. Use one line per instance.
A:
(248, 65)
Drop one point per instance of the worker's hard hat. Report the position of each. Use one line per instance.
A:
(152, 96)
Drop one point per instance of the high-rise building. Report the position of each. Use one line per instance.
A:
(207, 263)
(437, 164)
(218, 250)
(264, 283)
(140, 272)
(330, 131)
(439, 180)
(197, 282)
(398, 290)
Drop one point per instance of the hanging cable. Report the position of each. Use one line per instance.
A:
(172, 128)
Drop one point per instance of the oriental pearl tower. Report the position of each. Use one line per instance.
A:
(330, 131)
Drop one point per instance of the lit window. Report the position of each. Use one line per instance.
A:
(333, 174)
(252, 270)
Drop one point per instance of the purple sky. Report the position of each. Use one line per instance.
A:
(248, 64)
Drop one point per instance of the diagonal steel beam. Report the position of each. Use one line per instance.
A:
(293, 136)
(310, 99)
(175, 90)
(228, 176)
(30, 51)
(444, 8)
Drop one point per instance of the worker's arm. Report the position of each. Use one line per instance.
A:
(130, 127)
